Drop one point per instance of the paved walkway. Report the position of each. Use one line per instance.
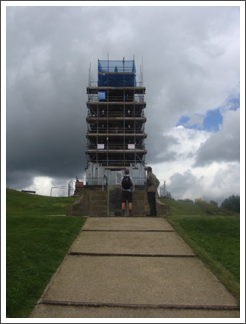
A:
(126, 267)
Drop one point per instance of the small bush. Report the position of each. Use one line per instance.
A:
(232, 204)
(186, 200)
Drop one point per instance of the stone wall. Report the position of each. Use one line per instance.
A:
(89, 203)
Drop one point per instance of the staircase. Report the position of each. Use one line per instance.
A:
(102, 203)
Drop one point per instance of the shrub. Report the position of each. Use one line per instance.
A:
(186, 200)
(214, 203)
(232, 204)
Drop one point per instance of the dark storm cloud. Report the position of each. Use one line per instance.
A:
(45, 129)
(159, 146)
(49, 50)
(45, 98)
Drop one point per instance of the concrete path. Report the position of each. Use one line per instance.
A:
(126, 267)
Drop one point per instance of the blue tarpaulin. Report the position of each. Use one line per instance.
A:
(109, 73)
(101, 95)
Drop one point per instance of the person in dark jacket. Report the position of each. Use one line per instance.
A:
(151, 186)
(126, 194)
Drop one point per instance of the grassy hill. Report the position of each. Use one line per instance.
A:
(22, 203)
(183, 207)
(200, 207)
(214, 237)
(36, 244)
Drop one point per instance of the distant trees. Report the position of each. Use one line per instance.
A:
(232, 203)
(186, 200)
(214, 203)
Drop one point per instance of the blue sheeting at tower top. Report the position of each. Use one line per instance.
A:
(116, 73)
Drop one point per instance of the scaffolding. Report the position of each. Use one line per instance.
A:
(163, 191)
(115, 118)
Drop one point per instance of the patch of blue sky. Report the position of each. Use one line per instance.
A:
(210, 122)
(186, 122)
(183, 120)
(234, 103)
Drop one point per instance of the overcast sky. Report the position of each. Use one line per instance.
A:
(191, 66)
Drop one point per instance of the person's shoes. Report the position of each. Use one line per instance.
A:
(123, 213)
(130, 212)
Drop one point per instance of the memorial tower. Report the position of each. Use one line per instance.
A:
(115, 123)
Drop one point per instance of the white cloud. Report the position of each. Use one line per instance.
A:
(42, 185)
(224, 145)
(178, 148)
(215, 181)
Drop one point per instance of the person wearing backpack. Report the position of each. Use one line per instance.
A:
(127, 184)
(151, 186)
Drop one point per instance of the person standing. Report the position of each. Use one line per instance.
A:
(127, 184)
(151, 186)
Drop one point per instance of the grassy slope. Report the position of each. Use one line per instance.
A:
(215, 239)
(36, 245)
(183, 208)
(21, 203)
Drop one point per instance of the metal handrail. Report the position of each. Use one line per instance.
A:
(103, 181)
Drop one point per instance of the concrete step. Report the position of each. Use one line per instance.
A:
(131, 243)
(100, 203)
(127, 224)
(141, 281)
(56, 311)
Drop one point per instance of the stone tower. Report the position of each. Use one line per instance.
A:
(115, 124)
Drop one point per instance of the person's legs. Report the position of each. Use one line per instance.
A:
(130, 209)
(152, 205)
(129, 199)
(123, 204)
(126, 195)
(150, 201)
(148, 196)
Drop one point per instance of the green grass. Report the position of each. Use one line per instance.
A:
(21, 203)
(183, 208)
(36, 246)
(215, 239)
